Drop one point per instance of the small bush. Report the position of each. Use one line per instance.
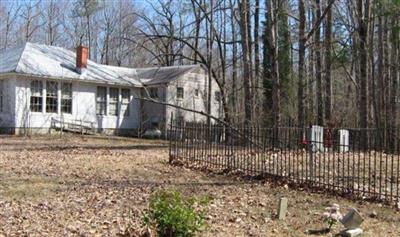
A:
(171, 214)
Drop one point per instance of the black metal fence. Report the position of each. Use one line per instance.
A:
(358, 162)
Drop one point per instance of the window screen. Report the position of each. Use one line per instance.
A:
(36, 103)
(51, 97)
(66, 98)
(113, 109)
(101, 100)
(125, 98)
(154, 93)
(217, 96)
(179, 92)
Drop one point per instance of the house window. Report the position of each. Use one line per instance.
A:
(179, 92)
(1, 96)
(51, 96)
(217, 96)
(179, 120)
(125, 98)
(113, 105)
(196, 92)
(101, 100)
(66, 98)
(36, 102)
(155, 122)
(153, 93)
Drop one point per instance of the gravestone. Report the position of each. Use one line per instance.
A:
(344, 140)
(152, 133)
(282, 208)
(317, 138)
(351, 233)
(352, 219)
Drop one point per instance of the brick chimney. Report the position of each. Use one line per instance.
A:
(82, 53)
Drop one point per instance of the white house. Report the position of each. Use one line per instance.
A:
(44, 87)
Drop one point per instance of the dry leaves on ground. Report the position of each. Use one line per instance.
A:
(77, 186)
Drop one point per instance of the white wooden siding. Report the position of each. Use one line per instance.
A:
(83, 108)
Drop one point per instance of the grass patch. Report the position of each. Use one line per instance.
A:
(32, 187)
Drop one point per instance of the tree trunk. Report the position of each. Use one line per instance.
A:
(196, 12)
(311, 72)
(284, 46)
(273, 52)
(381, 96)
(363, 37)
(328, 83)
(244, 31)
(256, 55)
(302, 49)
(317, 43)
(234, 60)
(394, 74)
(89, 38)
(387, 83)
(210, 40)
(372, 84)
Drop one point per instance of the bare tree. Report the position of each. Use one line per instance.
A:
(233, 22)
(395, 78)
(30, 14)
(10, 15)
(272, 31)
(257, 71)
(301, 70)
(363, 14)
(328, 65)
(86, 9)
(52, 19)
(347, 51)
(318, 66)
(244, 24)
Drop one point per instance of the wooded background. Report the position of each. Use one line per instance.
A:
(326, 62)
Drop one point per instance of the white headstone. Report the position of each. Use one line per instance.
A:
(282, 208)
(317, 138)
(152, 133)
(344, 140)
(352, 232)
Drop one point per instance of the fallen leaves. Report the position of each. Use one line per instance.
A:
(89, 187)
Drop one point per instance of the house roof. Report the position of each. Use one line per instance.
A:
(163, 75)
(56, 62)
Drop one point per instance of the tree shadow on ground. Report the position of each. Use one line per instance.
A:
(24, 147)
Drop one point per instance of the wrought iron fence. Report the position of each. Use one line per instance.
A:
(363, 163)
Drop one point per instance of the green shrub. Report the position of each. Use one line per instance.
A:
(172, 215)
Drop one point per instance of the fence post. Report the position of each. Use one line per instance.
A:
(170, 142)
(310, 154)
(274, 152)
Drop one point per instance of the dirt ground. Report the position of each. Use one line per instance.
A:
(80, 186)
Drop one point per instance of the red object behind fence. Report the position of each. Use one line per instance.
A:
(328, 138)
